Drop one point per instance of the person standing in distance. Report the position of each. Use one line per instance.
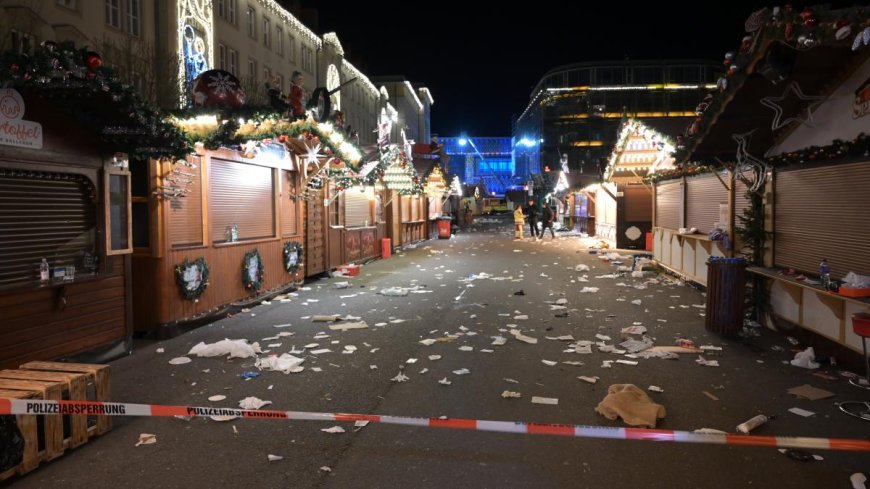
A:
(547, 221)
(532, 214)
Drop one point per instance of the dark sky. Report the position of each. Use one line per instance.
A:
(482, 63)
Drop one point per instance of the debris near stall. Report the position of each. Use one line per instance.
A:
(632, 404)
(805, 359)
(809, 392)
(232, 348)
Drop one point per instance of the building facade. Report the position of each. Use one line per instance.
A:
(484, 161)
(412, 107)
(576, 110)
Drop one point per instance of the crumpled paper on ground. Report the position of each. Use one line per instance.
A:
(286, 363)
(632, 404)
(805, 359)
(253, 403)
(233, 348)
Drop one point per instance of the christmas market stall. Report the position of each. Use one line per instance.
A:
(69, 134)
(789, 125)
(427, 164)
(246, 215)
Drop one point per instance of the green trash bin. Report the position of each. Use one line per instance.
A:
(726, 290)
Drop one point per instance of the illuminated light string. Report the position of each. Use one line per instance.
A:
(665, 148)
(195, 50)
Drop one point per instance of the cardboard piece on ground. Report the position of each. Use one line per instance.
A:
(347, 326)
(807, 391)
(676, 349)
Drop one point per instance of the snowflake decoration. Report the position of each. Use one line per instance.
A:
(222, 84)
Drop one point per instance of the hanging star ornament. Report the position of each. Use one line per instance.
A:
(774, 103)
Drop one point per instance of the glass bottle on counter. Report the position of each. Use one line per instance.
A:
(825, 273)
(44, 274)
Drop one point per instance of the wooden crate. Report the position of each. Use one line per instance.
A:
(98, 375)
(27, 426)
(75, 389)
(53, 425)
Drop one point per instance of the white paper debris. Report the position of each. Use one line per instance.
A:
(400, 378)
(434, 357)
(347, 326)
(512, 381)
(428, 342)
(326, 469)
(588, 290)
(521, 337)
(253, 403)
(146, 439)
(361, 423)
(590, 380)
(552, 401)
(286, 363)
(321, 351)
(334, 430)
(462, 371)
(521, 317)
(159, 350)
(655, 388)
(626, 362)
(511, 394)
(444, 381)
(217, 398)
(801, 412)
(549, 362)
(233, 348)
(707, 363)
(603, 337)
(274, 458)
(498, 340)
(634, 330)
(179, 361)
(805, 359)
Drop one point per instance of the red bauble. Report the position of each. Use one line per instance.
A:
(93, 61)
(217, 88)
(811, 21)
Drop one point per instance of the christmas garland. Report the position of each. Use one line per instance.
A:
(802, 30)
(198, 267)
(293, 254)
(256, 282)
(80, 85)
(687, 170)
(839, 150)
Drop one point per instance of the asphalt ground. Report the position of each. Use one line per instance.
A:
(200, 453)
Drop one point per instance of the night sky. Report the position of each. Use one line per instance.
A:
(481, 64)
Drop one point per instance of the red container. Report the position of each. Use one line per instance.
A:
(349, 270)
(386, 248)
(861, 324)
(648, 241)
(444, 229)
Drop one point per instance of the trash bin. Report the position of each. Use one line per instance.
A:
(386, 248)
(444, 228)
(726, 288)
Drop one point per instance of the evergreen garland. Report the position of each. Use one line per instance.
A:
(187, 292)
(291, 249)
(256, 283)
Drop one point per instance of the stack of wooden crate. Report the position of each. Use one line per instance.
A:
(46, 438)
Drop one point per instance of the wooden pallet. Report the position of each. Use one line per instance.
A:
(98, 375)
(27, 426)
(53, 425)
(75, 390)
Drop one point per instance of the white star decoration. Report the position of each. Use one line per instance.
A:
(773, 103)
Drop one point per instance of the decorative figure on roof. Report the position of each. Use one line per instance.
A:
(385, 126)
(277, 99)
(297, 95)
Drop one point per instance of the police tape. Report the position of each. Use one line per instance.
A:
(41, 407)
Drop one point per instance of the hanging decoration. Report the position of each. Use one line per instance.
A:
(177, 184)
(293, 254)
(192, 278)
(686, 170)
(252, 271)
(748, 164)
(217, 89)
(774, 103)
(195, 50)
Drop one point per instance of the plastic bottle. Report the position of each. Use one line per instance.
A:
(750, 424)
(825, 273)
(43, 270)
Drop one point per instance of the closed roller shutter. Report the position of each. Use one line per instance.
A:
(43, 215)
(669, 204)
(638, 203)
(820, 213)
(289, 208)
(357, 209)
(704, 193)
(242, 195)
(185, 214)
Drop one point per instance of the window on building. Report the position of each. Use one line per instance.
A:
(134, 17)
(222, 57)
(307, 59)
(291, 48)
(251, 17)
(266, 74)
(233, 62)
(252, 70)
(267, 32)
(113, 13)
(231, 11)
(279, 41)
(70, 4)
(22, 42)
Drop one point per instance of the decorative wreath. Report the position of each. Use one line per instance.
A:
(292, 256)
(192, 277)
(252, 271)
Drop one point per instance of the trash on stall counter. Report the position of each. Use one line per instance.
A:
(146, 439)
(253, 403)
(632, 404)
(805, 359)
(285, 363)
(233, 348)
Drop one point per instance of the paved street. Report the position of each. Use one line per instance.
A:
(752, 378)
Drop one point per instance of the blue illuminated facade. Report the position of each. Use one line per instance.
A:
(486, 161)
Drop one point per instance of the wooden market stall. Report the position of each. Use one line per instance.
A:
(237, 223)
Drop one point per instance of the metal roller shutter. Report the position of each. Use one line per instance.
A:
(704, 193)
(289, 209)
(242, 195)
(185, 214)
(43, 215)
(669, 204)
(823, 212)
(357, 209)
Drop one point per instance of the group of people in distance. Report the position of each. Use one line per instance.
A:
(532, 212)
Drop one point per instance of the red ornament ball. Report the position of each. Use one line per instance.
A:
(217, 88)
(811, 21)
(93, 61)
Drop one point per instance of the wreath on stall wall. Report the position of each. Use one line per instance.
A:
(192, 278)
(252, 271)
(292, 256)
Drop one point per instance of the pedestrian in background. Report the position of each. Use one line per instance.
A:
(519, 223)
(547, 221)
(532, 214)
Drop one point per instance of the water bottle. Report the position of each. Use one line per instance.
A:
(825, 273)
(43, 270)
(750, 424)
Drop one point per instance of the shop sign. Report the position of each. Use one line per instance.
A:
(861, 107)
(15, 131)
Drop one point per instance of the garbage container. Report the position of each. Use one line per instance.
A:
(726, 288)
(444, 228)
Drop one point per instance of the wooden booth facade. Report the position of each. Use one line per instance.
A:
(64, 200)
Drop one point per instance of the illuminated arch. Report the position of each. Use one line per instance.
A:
(333, 81)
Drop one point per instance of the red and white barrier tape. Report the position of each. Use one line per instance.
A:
(40, 407)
